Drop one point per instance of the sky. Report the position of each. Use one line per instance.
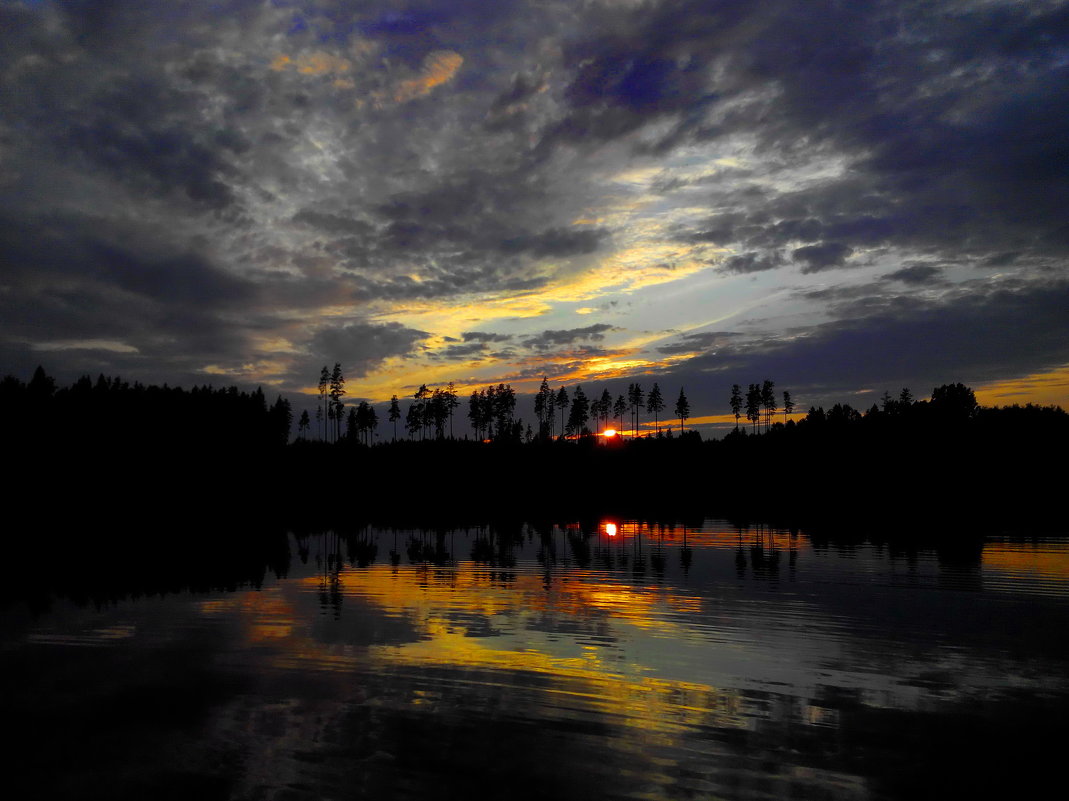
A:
(842, 197)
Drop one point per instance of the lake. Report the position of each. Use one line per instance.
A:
(609, 659)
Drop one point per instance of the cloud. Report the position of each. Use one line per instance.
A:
(177, 195)
(552, 338)
(555, 242)
(465, 352)
(484, 336)
(824, 256)
(332, 223)
(361, 346)
(317, 62)
(917, 275)
(438, 68)
(698, 341)
(990, 333)
(752, 262)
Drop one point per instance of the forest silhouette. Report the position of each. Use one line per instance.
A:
(111, 449)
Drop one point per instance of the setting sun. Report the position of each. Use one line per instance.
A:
(610, 529)
(609, 432)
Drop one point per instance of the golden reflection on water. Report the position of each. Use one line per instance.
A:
(1025, 567)
(439, 602)
(745, 670)
(589, 639)
(1031, 561)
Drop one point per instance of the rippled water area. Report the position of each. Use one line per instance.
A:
(613, 659)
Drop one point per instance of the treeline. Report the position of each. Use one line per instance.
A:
(100, 443)
(491, 413)
(112, 413)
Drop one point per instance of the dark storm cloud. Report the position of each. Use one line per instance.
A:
(649, 64)
(461, 353)
(126, 137)
(824, 256)
(555, 242)
(703, 340)
(332, 223)
(72, 279)
(553, 338)
(167, 188)
(485, 336)
(971, 162)
(753, 262)
(361, 346)
(88, 86)
(65, 252)
(917, 275)
(834, 294)
(484, 215)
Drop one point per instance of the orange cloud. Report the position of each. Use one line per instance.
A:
(438, 67)
(314, 63)
(1043, 388)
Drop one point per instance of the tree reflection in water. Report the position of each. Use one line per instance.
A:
(594, 658)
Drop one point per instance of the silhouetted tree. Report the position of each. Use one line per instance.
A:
(579, 413)
(654, 405)
(954, 403)
(682, 409)
(768, 401)
(280, 419)
(337, 392)
(619, 409)
(439, 411)
(635, 397)
(490, 410)
(543, 404)
(372, 423)
(562, 404)
(788, 405)
(358, 422)
(753, 405)
(421, 408)
(736, 403)
(352, 424)
(504, 407)
(414, 421)
(322, 413)
(842, 414)
(475, 412)
(41, 387)
(606, 406)
(451, 402)
(303, 424)
(395, 415)
(481, 411)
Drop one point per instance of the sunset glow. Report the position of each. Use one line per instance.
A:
(598, 193)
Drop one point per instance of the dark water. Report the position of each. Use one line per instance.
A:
(658, 662)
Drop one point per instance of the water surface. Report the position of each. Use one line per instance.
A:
(608, 660)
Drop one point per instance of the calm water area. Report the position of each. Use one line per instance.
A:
(610, 660)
